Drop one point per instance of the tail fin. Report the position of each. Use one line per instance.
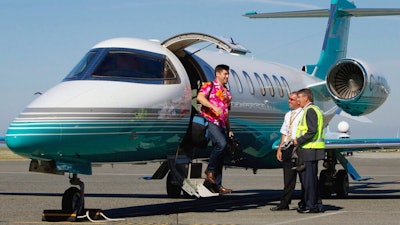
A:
(337, 30)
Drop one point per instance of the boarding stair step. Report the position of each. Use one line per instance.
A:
(195, 187)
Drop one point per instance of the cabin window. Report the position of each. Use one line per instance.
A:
(129, 65)
(249, 82)
(261, 84)
(237, 81)
(269, 85)
(285, 83)
(278, 85)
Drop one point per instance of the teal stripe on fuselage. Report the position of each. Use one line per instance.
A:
(97, 141)
(135, 139)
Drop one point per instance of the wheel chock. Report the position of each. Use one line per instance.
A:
(54, 215)
(93, 215)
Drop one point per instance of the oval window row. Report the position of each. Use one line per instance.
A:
(262, 87)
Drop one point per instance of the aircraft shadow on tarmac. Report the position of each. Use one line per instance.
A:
(239, 200)
(250, 199)
(374, 190)
(366, 190)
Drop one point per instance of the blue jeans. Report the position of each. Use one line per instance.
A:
(218, 138)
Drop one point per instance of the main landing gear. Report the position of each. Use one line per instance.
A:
(332, 181)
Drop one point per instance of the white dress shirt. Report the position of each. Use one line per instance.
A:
(286, 123)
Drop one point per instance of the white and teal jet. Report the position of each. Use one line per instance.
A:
(131, 100)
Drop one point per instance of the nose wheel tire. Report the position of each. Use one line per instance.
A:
(72, 201)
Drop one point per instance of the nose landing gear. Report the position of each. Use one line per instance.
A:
(73, 198)
(73, 206)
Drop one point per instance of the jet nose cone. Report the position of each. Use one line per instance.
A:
(25, 138)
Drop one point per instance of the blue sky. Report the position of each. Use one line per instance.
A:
(42, 40)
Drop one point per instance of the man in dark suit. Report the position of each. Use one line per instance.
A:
(311, 148)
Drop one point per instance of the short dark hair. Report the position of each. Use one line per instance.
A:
(221, 67)
(306, 92)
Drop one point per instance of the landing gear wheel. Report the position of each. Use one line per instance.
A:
(342, 184)
(324, 189)
(71, 201)
(173, 188)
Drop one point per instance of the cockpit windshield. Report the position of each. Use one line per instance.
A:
(81, 66)
(119, 64)
(125, 65)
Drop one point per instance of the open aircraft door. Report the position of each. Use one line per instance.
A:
(194, 67)
(197, 70)
(181, 41)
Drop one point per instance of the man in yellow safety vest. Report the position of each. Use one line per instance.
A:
(310, 148)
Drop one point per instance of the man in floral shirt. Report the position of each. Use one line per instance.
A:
(215, 100)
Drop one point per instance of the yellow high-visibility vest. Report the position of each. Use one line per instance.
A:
(317, 142)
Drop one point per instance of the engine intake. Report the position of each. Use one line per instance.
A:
(346, 80)
(355, 88)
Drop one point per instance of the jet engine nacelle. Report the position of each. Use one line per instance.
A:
(355, 88)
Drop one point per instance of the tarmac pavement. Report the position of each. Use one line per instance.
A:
(121, 193)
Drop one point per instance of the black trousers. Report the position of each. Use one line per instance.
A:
(289, 178)
(310, 194)
(289, 181)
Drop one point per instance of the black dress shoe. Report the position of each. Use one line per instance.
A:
(279, 208)
(300, 210)
(301, 205)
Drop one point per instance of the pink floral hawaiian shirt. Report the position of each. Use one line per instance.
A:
(219, 96)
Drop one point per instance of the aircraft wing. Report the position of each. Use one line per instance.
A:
(362, 144)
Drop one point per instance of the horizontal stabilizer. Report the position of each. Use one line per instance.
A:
(325, 13)
(293, 14)
(371, 12)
